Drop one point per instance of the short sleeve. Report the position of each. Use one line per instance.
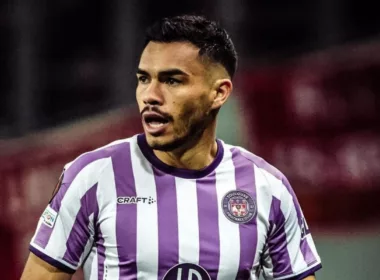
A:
(290, 251)
(66, 229)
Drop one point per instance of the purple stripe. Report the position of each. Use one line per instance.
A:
(167, 222)
(44, 233)
(101, 250)
(307, 253)
(305, 248)
(43, 236)
(261, 163)
(209, 244)
(56, 202)
(245, 181)
(277, 244)
(126, 214)
(80, 233)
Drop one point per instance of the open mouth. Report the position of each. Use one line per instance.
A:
(154, 122)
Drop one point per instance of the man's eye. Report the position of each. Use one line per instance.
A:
(172, 82)
(142, 79)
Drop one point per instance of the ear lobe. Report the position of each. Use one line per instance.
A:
(223, 88)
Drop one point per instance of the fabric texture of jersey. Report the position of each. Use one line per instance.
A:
(121, 213)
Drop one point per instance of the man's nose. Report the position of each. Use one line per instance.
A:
(153, 94)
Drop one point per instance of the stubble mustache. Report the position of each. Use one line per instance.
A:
(158, 111)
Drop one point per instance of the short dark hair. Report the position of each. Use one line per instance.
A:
(212, 40)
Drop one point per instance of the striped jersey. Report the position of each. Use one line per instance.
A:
(121, 213)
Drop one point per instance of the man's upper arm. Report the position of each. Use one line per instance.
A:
(36, 269)
(311, 277)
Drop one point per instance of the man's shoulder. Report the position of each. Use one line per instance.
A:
(98, 158)
(260, 163)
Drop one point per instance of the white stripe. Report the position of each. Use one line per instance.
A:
(188, 227)
(263, 198)
(147, 221)
(89, 258)
(293, 236)
(229, 234)
(90, 267)
(87, 253)
(90, 241)
(313, 249)
(94, 266)
(70, 206)
(106, 195)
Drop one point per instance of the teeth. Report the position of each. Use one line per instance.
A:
(156, 124)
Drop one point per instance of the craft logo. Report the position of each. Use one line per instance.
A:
(187, 271)
(49, 216)
(135, 200)
(238, 207)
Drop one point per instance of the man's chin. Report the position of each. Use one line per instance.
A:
(161, 144)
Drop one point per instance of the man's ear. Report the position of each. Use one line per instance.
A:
(222, 89)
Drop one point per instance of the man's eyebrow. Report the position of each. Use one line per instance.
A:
(142, 72)
(172, 72)
(168, 72)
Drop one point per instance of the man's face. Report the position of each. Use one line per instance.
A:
(173, 94)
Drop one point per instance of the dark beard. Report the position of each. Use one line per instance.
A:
(171, 146)
(194, 133)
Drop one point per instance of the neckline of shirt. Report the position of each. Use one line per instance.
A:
(179, 172)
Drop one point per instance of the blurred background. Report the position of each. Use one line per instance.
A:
(307, 99)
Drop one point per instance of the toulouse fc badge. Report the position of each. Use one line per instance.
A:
(238, 207)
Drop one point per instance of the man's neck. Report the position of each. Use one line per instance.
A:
(197, 156)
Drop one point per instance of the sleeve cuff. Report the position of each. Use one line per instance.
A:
(306, 273)
(51, 261)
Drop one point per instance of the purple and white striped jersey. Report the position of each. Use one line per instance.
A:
(123, 214)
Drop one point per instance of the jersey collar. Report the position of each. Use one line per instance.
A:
(179, 172)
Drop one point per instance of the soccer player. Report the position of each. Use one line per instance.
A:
(175, 202)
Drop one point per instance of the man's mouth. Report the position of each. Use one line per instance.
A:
(154, 121)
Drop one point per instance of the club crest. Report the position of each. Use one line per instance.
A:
(238, 207)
